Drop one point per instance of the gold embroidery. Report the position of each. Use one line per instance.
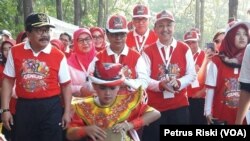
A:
(106, 117)
(42, 17)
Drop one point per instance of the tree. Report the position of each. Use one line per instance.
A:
(197, 14)
(202, 22)
(100, 13)
(19, 16)
(77, 13)
(59, 13)
(233, 7)
(27, 8)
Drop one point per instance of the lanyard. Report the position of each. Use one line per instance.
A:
(195, 56)
(83, 68)
(140, 48)
(164, 58)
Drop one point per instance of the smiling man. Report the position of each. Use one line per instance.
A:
(171, 68)
(119, 52)
(40, 73)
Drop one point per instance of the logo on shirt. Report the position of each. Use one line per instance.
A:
(173, 71)
(33, 74)
(231, 93)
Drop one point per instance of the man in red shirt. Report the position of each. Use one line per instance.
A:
(41, 75)
(117, 52)
(171, 69)
(141, 36)
(196, 91)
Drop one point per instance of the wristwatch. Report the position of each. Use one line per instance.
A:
(4, 110)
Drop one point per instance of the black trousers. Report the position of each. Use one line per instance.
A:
(38, 119)
(196, 109)
(171, 117)
(245, 86)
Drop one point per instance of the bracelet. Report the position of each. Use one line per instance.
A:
(4, 110)
(137, 123)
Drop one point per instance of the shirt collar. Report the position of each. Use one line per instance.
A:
(197, 52)
(46, 50)
(145, 34)
(124, 51)
(173, 44)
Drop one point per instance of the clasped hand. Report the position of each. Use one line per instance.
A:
(170, 84)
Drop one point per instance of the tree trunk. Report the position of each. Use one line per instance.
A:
(100, 13)
(77, 13)
(85, 9)
(106, 12)
(202, 22)
(27, 8)
(59, 12)
(233, 7)
(197, 14)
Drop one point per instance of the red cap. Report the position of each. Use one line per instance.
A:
(164, 15)
(191, 36)
(107, 74)
(117, 23)
(141, 11)
(197, 30)
(231, 21)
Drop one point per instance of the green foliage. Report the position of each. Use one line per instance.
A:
(216, 13)
(8, 13)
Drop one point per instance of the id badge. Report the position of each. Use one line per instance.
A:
(167, 94)
(195, 84)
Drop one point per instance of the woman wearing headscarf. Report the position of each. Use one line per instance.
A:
(99, 39)
(79, 61)
(21, 37)
(222, 96)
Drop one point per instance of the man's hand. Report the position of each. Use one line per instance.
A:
(7, 120)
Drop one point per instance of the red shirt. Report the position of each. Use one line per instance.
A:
(36, 77)
(226, 92)
(198, 62)
(156, 99)
(129, 60)
(131, 43)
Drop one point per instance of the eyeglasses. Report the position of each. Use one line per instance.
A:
(97, 37)
(41, 31)
(138, 20)
(217, 41)
(119, 34)
(82, 40)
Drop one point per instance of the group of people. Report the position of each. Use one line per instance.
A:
(123, 87)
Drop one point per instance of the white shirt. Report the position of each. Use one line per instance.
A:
(245, 67)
